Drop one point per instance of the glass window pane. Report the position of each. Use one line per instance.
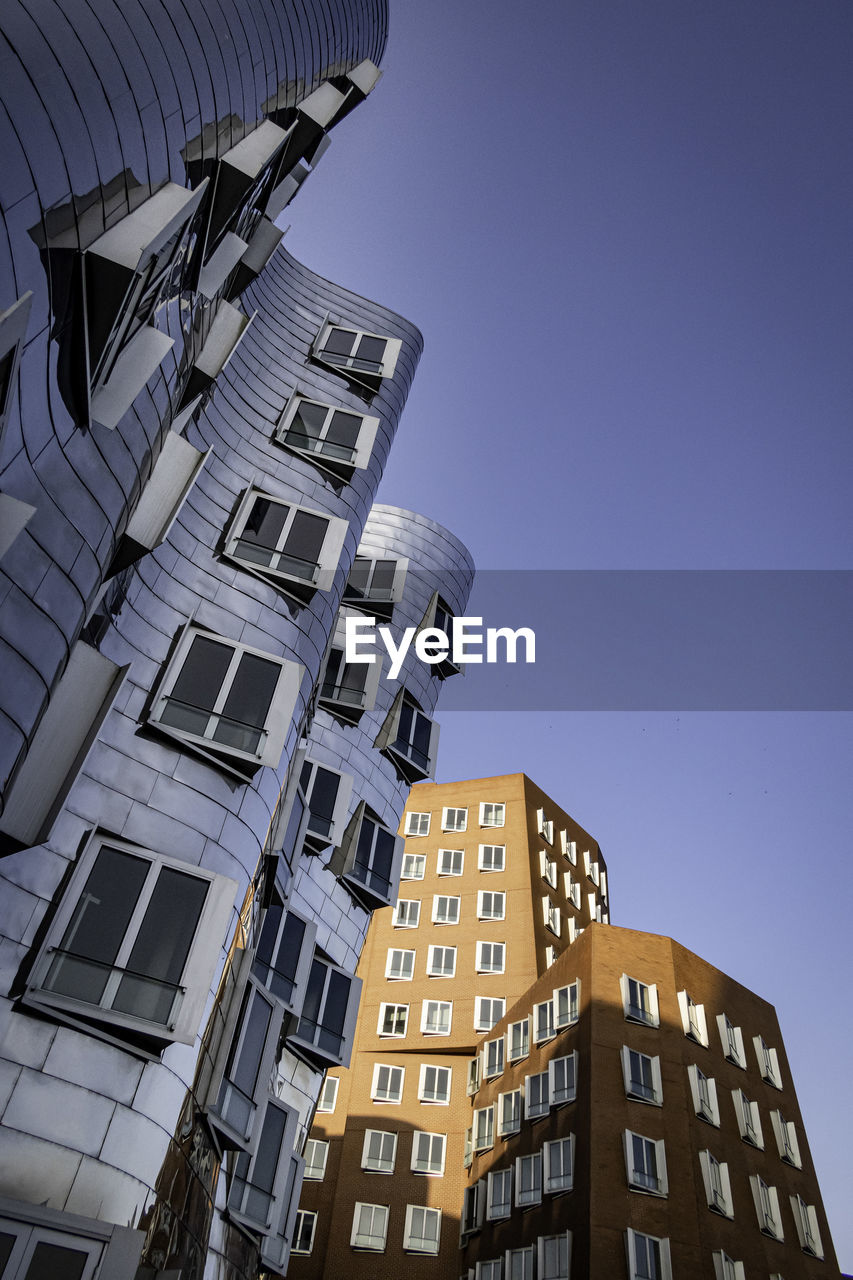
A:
(198, 684)
(339, 341)
(160, 951)
(303, 544)
(262, 531)
(248, 703)
(55, 1262)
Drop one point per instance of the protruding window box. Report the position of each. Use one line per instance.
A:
(294, 547)
(363, 358)
(309, 121)
(263, 243)
(324, 796)
(265, 1186)
(284, 191)
(336, 439)
(241, 1085)
(13, 328)
(348, 689)
(220, 264)
(409, 739)
(439, 617)
(241, 169)
(283, 957)
(174, 474)
(324, 1031)
(375, 585)
(369, 860)
(226, 333)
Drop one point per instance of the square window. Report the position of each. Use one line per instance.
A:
(387, 1083)
(369, 1227)
(487, 1011)
(379, 1152)
(450, 862)
(645, 1163)
(642, 1076)
(490, 957)
(316, 1156)
(492, 814)
(365, 358)
(509, 1112)
(492, 857)
(328, 1095)
(428, 1153)
(445, 910)
(441, 962)
(436, 1017)
(392, 1019)
(562, 1078)
(414, 866)
(528, 1180)
(407, 913)
(558, 1159)
(296, 547)
(376, 585)
(417, 824)
(454, 819)
(400, 965)
(337, 440)
(640, 1001)
(303, 1232)
(499, 1198)
(434, 1084)
(536, 1101)
(232, 701)
(518, 1040)
(491, 905)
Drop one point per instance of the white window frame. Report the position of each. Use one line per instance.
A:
(422, 1243)
(544, 826)
(525, 1198)
(748, 1119)
(192, 990)
(572, 1004)
(548, 868)
(321, 576)
(337, 467)
(519, 1264)
(551, 916)
(707, 1108)
(453, 906)
(523, 1037)
(551, 954)
(436, 970)
(693, 1020)
(768, 1062)
(637, 1178)
(631, 1240)
(494, 1058)
(330, 1085)
(454, 865)
(484, 1128)
(806, 1223)
(718, 1186)
(314, 1148)
(785, 1133)
(534, 1109)
(491, 965)
(569, 848)
(403, 910)
(442, 1073)
(767, 1208)
(398, 1013)
(405, 971)
(572, 890)
(384, 1161)
(430, 1026)
(433, 1167)
(415, 825)
(725, 1268)
(474, 1074)
(490, 819)
(495, 861)
(391, 1097)
(562, 1242)
(457, 822)
(481, 1022)
(654, 1096)
(473, 1207)
(509, 1113)
(378, 1219)
(413, 866)
(346, 364)
(543, 1021)
(493, 895)
(565, 1182)
(299, 1248)
(643, 1010)
(277, 721)
(499, 1195)
(559, 1096)
(731, 1038)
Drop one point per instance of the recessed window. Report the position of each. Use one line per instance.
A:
(786, 1139)
(704, 1093)
(487, 1011)
(499, 1197)
(339, 441)
(808, 1231)
(768, 1062)
(518, 1040)
(567, 1005)
(328, 1095)
(436, 1017)
(366, 358)
(434, 1084)
(491, 957)
(718, 1187)
(492, 814)
(428, 1153)
(731, 1038)
(400, 964)
(414, 866)
(493, 1058)
(645, 1163)
(492, 857)
(642, 1076)
(295, 546)
(509, 1112)
(417, 824)
(563, 1078)
(558, 1161)
(648, 1257)
(376, 584)
(484, 1128)
(316, 1157)
(407, 912)
(134, 942)
(392, 1019)
(327, 1024)
(491, 905)
(304, 1230)
(454, 819)
(441, 962)
(693, 1019)
(226, 699)
(379, 1151)
(369, 1227)
(748, 1119)
(387, 1083)
(543, 1021)
(450, 862)
(536, 1102)
(640, 1001)
(554, 1256)
(445, 910)
(528, 1180)
(767, 1208)
(472, 1208)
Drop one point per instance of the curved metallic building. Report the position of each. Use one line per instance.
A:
(200, 793)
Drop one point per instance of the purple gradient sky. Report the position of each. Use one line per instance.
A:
(624, 229)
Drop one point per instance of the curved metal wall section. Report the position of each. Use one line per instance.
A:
(101, 105)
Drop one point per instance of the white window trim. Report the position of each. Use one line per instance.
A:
(484, 804)
(524, 1039)
(749, 1126)
(486, 1140)
(653, 1019)
(409, 964)
(719, 1201)
(428, 1173)
(322, 1101)
(540, 1256)
(448, 898)
(785, 1133)
(316, 1144)
(513, 1125)
(328, 559)
(365, 1152)
(301, 1215)
(769, 1222)
(481, 856)
(491, 1214)
(446, 1072)
(551, 1190)
(733, 1053)
(808, 1229)
(494, 893)
(698, 1103)
(656, 1100)
(569, 848)
(630, 1248)
(383, 1010)
(698, 1033)
(768, 1062)
(662, 1189)
(400, 924)
(725, 1268)
(442, 870)
(481, 965)
(543, 1106)
(378, 1067)
(410, 824)
(494, 1058)
(443, 1006)
(445, 826)
(560, 1024)
(552, 1076)
(432, 970)
(369, 1248)
(480, 1022)
(551, 916)
(418, 860)
(542, 1034)
(337, 467)
(535, 1195)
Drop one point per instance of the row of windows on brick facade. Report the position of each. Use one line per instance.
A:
(421, 1232)
(490, 957)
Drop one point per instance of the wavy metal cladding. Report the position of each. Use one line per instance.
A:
(100, 105)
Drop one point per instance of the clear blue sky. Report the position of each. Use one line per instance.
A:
(624, 229)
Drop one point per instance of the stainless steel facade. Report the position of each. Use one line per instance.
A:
(200, 798)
